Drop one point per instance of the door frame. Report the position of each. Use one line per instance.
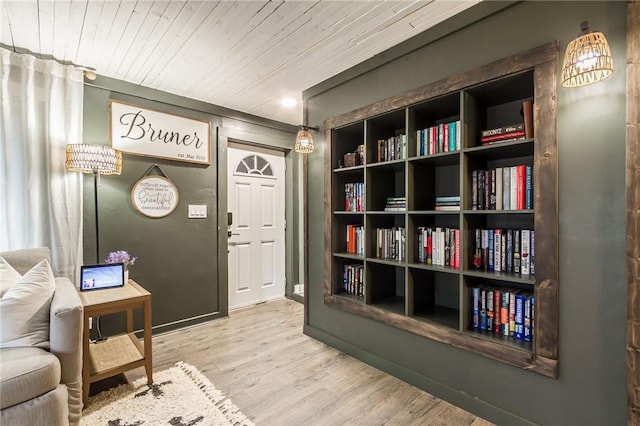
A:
(248, 138)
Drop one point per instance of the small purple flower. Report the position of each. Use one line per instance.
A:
(121, 256)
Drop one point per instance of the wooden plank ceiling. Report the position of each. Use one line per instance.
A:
(244, 55)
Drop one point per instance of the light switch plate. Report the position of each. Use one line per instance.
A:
(197, 211)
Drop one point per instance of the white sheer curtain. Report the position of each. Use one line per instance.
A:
(40, 202)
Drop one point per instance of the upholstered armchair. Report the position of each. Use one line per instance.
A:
(40, 378)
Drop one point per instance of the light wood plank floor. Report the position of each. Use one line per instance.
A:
(278, 376)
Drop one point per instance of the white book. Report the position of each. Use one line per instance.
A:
(525, 251)
(499, 180)
(513, 188)
(441, 251)
(506, 191)
(435, 243)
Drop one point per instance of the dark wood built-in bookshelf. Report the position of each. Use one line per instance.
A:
(409, 190)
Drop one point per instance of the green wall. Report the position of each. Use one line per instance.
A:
(182, 262)
(591, 386)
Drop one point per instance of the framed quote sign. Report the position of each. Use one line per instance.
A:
(143, 131)
(154, 196)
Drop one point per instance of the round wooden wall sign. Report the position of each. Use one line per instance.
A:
(154, 196)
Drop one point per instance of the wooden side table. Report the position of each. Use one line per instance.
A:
(118, 353)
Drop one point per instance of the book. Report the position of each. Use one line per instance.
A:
(445, 137)
(509, 251)
(492, 189)
(532, 268)
(513, 188)
(503, 251)
(452, 136)
(497, 250)
(520, 188)
(527, 116)
(447, 247)
(503, 138)
(504, 312)
(527, 318)
(474, 190)
(457, 249)
(499, 181)
(518, 331)
(512, 312)
(429, 246)
(475, 307)
(491, 251)
(477, 253)
(497, 301)
(506, 188)
(447, 208)
(487, 189)
(528, 197)
(524, 252)
(516, 251)
(448, 198)
(485, 248)
(490, 308)
(502, 130)
(483, 309)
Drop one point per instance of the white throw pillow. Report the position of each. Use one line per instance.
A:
(24, 309)
(8, 276)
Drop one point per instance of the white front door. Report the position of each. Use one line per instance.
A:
(256, 245)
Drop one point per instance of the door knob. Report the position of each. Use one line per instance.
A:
(229, 233)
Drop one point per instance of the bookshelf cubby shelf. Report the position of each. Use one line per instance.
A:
(419, 152)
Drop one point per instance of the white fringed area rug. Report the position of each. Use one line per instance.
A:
(179, 396)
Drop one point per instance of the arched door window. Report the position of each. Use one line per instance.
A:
(254, 165)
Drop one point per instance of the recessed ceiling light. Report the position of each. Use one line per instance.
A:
(288, 102)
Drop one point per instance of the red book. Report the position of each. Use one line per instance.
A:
(456, 259)
(520, 194)
(445, 144)
(496, 310)
(434, 139)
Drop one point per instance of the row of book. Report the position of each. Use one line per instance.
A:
(395, 204)
(503, 312)
(354, 197)
(502, 188)
(448, 203)
(390, 243)
(504, 250)
(394, 148)
(439, 246)
(355, 239)
(353, 279)
(443, 137)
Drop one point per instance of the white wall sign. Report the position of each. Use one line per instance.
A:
(143, 131)
(154, 196)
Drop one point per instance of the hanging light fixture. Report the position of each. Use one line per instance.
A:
(304, 139)
(96, 159)
(587, 59)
